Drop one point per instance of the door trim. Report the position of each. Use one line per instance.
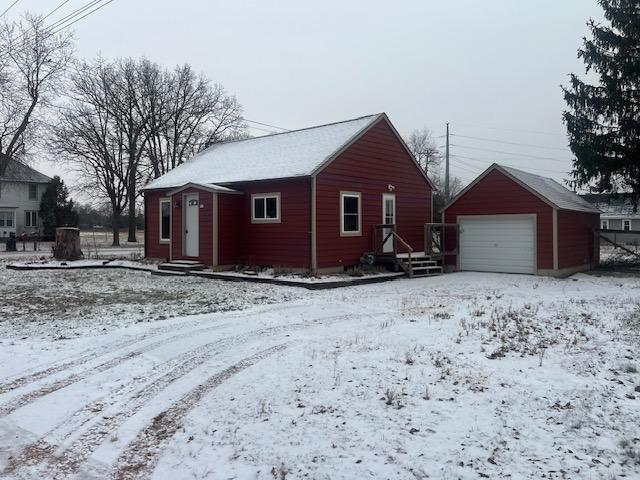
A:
(185, 207)
(533, 216)
(386, 196)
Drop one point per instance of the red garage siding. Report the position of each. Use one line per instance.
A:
(152, 246)
(497, 194)
(372, 163)
(576, 238)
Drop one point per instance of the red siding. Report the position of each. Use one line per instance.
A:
(205, 246)
(496, 194)
(576, 238)
(230, 212)
(152, 246)
(284, 244)
(368, 166)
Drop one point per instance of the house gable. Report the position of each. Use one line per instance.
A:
(377, 162)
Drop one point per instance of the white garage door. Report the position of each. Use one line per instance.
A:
(502, 243)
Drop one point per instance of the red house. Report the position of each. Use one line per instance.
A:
(517, 222)
(304, 200)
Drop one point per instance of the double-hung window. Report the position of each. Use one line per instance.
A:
(605, 225)
(30, 218)
(33, 191)
(626, 225)
(165, 219)
(6, 219)
(265, 208)
(350, 213)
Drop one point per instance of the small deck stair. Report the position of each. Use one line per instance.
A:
(183, 266)
(421, 264)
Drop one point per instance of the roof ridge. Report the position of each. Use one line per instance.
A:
(224, 142)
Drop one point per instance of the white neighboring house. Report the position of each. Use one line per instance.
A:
(617, 211)
(21, 189)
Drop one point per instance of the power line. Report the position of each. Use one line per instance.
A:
(266, 124)
(502, 152)
(60, 24)
(488, 161)
(510, 143)
(8, 8)
(85, 15)
(536, 132)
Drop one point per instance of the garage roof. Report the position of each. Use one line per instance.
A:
(545, 188)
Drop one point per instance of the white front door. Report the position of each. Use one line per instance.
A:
(388, 218)
(498, 243)
(191, 225)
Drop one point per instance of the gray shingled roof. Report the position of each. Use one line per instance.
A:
(560, 196)
(283, 155)
(19, 172)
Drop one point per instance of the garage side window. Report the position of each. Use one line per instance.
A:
(165, 219)
(350, 213)
(265, 208)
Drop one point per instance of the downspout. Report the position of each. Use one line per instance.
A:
(555, 239)
(314, 254)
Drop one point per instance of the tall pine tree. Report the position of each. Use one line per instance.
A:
(603, 120)
(56, 209)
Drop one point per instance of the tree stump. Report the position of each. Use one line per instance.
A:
(67, 245)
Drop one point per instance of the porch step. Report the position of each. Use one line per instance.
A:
(181, 266)
(427, 270)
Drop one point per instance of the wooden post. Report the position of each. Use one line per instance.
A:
(67, 246)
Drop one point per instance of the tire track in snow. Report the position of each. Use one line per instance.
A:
(94, 353)
(71, 459)
(29, 397)
(142, 455)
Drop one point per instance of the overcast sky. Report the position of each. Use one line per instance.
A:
(492, 68)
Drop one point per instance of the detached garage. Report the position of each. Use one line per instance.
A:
(513, 221)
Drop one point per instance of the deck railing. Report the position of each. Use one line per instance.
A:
(378, 247)
(435, 239)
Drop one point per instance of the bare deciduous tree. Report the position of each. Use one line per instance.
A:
(188, 114)
(33, 61)
(424, 149)
(88, 136)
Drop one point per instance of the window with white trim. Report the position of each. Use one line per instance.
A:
(165, 219)
(6, 219)
(626, 225)
(30, 218)
(33, 191)
(604, 224)
(265, 208)
(350, 213)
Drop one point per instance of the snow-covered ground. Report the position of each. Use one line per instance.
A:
(457, 376)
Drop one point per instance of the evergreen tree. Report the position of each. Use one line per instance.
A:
(56, 209)
(603, 120)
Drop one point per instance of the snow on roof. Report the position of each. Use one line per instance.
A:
(619, 205)
(19, 172)
(560, 196)
(282, 155)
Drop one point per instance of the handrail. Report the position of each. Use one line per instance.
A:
(398, 238)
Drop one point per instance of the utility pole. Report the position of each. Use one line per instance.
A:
(446, 168)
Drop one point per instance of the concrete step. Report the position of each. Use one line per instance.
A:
(179, 266)
(185, 262)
